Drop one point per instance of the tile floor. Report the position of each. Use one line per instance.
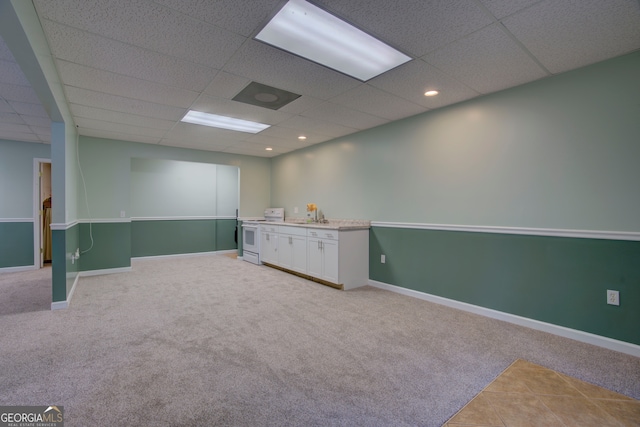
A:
(526, 394)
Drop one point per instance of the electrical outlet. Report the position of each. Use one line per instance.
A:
(122, 214)
(383, 259)
(613, 297)
(295, 210)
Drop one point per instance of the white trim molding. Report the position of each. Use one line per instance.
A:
(549, 232)
(103, 220)
(60, 305)
(574, 334)
(63, 226)
(17, 269)
(178, 218)
(187, 255)
(102, 272)
(16, 219)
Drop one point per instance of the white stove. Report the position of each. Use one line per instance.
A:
(251, 234)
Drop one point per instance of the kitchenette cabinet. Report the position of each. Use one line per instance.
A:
(269, 243)
(292, 248)
(337, 256)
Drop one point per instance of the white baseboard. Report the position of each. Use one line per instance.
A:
(184, 255)
(574, 334)
(89, 273)
(17, 269)
(59, 305)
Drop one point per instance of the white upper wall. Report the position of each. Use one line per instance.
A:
(557, 153)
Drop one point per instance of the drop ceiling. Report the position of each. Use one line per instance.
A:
(132, 69)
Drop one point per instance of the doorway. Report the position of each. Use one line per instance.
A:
(42, 213)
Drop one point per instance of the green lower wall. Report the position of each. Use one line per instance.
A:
(111, 245)
(170, 237)
(16, 244)
(225, 234)
(557, 280)
(240, 238)
(64, 271)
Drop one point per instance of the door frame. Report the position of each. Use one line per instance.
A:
(38, 257)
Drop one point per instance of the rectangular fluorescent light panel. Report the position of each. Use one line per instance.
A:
(312, 33)
(213, 120)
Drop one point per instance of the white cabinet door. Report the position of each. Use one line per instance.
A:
(285, 252)
(269, 248)
(299, 254)
(329, 250)
(322, 259)
(314, 257)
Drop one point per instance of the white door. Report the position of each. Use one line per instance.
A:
(285, 252)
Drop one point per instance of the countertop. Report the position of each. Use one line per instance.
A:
(332, 224)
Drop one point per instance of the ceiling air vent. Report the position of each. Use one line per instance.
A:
(265, 96)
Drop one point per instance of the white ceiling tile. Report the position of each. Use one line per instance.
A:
(502, 8)
(290, 136)
(45, 139)
(104, 81)
(5, 53)
(10, 73)
(344, 116)
(321, 127)
(42, 122)
(5, 107)
(98, 133)
(268, 65)
(41, 131)
(19, 136)
(119, 127)
(16, 128)
(98, 52)
(86, 112)
(486, 61)
(238, 110)
(240, 16)
(566, 34)
(411, 80)
(189, 131)
(148, 25)
(416, 27)
(374, 101)
(301, 104)
(123, 105)
(196, 144)
(28, 109)
(12, 92)
(252, 149)
(11, 118)
(226, 85)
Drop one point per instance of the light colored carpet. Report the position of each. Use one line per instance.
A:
(210, 340)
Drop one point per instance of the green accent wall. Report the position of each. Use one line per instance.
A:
(16, 244)
(225, 234)
(64, 271)
(58, 266)
(557, 280)
(170, 237)
(240, 252)
(111, 245)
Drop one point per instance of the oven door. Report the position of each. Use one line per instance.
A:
(251, 238)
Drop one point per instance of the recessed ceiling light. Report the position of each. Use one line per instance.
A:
(269, 149)
(302, 137)
(431, 93)
(216, 121)
(312, 33)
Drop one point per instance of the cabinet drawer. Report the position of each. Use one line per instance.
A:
(269, 228)
(294, 231)
(322, 234)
